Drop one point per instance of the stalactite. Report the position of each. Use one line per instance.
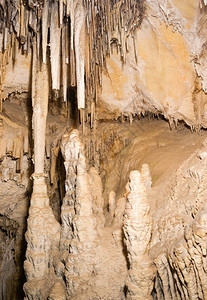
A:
(22, 24)
(44, 31)
(80, 53)
(17, 144)
(64, 64)
(72, 23)
(55, 34)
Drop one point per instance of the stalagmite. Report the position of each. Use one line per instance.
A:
(78, 233)
(137, 230)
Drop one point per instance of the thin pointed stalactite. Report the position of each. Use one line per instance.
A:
(55, 35)
(44, 31)
(80, 53)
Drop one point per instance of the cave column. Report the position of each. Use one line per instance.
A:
(40, 93)
(42, 234)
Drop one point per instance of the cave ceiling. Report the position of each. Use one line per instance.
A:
(124, 57)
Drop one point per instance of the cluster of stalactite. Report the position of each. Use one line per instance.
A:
(76, 36)
(109, 23)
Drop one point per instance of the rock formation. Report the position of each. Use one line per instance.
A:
(91, 91)
(42, 228)
(77, 219)
(137, 230)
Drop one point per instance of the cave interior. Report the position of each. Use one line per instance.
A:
(103, 149)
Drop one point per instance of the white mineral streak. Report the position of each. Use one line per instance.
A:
(79, 29)
(55, 47)
(78, 234)
(137, 230)
(42, 234)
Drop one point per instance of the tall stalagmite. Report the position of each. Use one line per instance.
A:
(78, 234)
(137, 230)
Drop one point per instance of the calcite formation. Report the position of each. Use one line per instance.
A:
(82, 254)
(114, 54)
(77, 218)
(137, 230)
(14, 140)
(79, 234)
(42, 234)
